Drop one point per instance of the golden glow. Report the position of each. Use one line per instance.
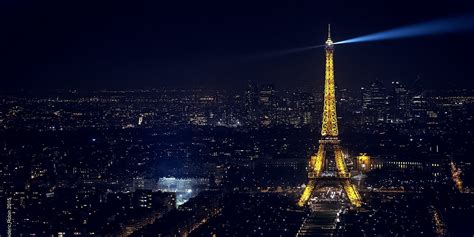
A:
(363, 162)
(329, 125)
(456, 176)
(329, 133)
(363, 157)
(352, 193)
(316, 165)
(340, 164)
(306, 193)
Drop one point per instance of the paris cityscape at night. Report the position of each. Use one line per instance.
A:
(288, 118)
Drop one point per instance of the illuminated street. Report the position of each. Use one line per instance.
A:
(324, 209)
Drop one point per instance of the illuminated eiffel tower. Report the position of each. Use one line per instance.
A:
(324, 171)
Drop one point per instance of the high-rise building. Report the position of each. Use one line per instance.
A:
(375, 101)
(374, 96)
(266, 94)
(400, 95)
(399, 101)
(418, 104)
(251, 100)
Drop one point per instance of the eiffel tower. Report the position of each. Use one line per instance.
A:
(322, 170)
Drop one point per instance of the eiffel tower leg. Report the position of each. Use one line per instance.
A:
(315, 168)
(352, 193)
(317, 161)
(340, 163)
(349, 188)
(306, 193)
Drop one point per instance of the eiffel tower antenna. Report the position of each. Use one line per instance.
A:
(329, 31)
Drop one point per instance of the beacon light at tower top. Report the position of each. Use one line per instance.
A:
(329, 42)
(441, 26)
(435, 27)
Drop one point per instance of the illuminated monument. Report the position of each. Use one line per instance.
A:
(324, 171)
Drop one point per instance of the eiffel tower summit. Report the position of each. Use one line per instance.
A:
(327, 168)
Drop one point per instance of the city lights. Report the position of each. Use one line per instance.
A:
(155, 119)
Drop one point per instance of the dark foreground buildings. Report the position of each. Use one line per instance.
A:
(203, 163)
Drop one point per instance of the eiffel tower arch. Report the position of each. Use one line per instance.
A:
(328, 167)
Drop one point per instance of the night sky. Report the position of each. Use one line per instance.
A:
(218, 44)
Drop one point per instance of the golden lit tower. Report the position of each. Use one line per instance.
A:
(329, 125)
(320, 168)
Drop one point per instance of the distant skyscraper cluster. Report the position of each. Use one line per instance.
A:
(395, 103)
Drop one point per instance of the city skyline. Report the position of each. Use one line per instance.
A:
(233, 119)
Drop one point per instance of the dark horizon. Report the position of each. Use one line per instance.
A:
(116, 45)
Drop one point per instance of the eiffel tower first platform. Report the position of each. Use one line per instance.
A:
(327, 167)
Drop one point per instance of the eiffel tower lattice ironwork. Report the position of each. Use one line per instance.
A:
(329, 143)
